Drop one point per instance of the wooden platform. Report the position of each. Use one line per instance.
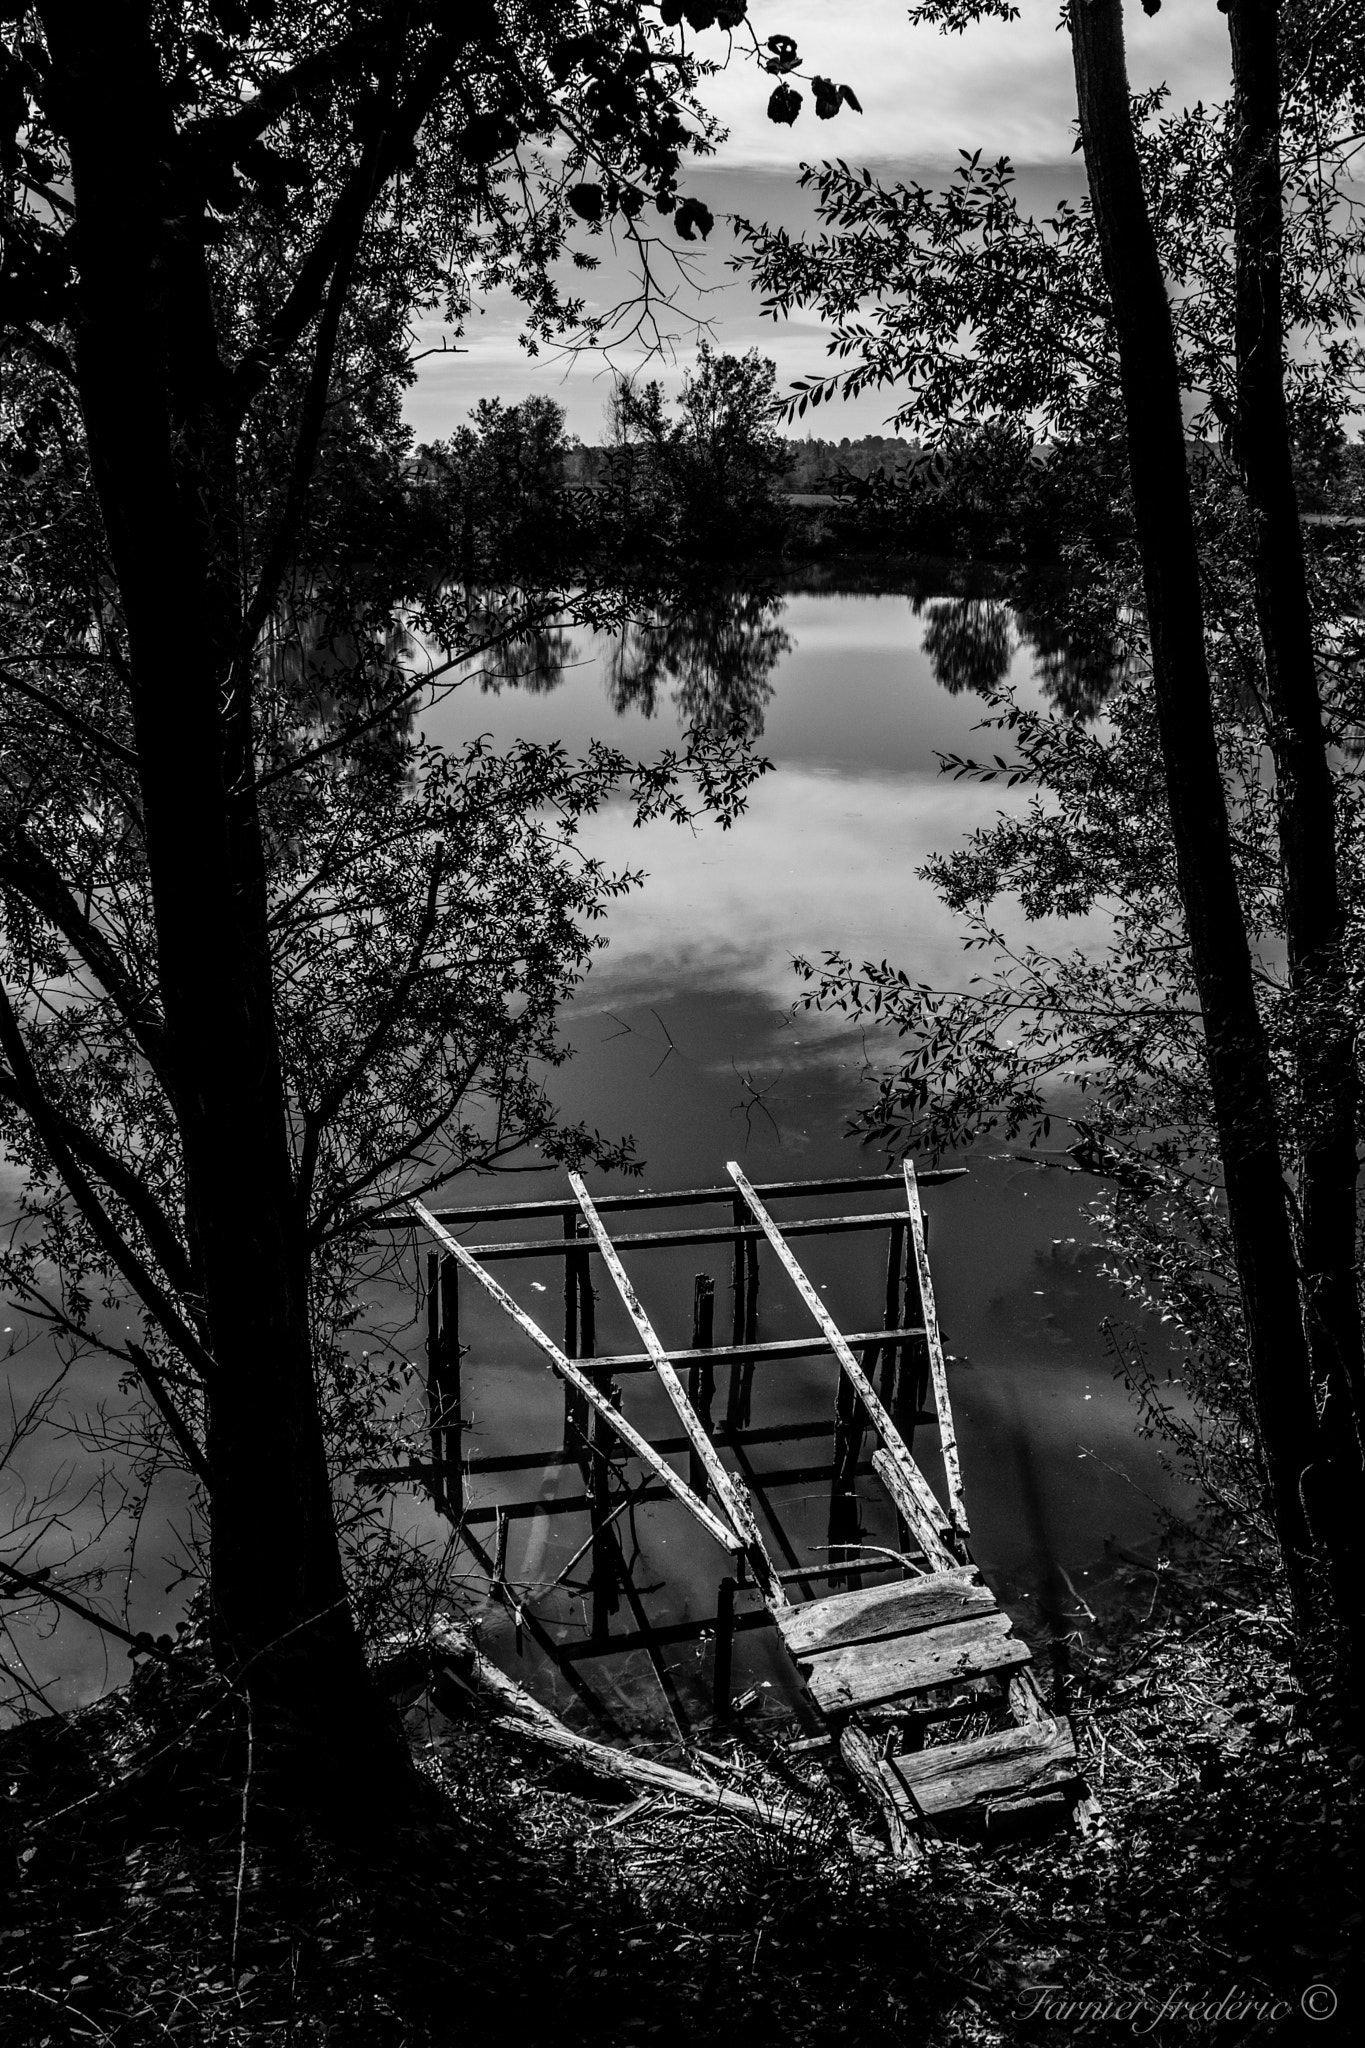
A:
(934, 1647)
(885, 1645)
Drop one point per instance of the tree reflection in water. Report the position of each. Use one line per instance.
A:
(971, 641)
(715, 658)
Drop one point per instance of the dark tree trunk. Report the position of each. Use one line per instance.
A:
(161, 439)
(1236, 1050)
(1325, 1050)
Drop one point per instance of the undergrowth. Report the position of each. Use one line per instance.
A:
(1224, 1872)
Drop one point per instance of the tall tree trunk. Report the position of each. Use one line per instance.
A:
(1325, 1049)
(152, 394)
(1236, 1050)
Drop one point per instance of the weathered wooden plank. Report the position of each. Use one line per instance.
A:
(877, 1611)
(927, 1518)
(594, 1397)
(669, 1198)
(938, 1371)
(860, 1757)
(1018, 1763)
(729, 1491)
(908, 1507)
(866, 1674)
(711, 1233)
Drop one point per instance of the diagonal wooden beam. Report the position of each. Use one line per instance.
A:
(938, 1371)
(729, 1491)
(594, 1397)
(911, 1491)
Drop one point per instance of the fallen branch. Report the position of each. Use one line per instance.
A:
(454, 1655)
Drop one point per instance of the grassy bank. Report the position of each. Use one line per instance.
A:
(1223, 1882)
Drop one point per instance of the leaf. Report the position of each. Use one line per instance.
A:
(826, 95)
(850, 99)
(586, 202)
(693, 218)
(784, 105)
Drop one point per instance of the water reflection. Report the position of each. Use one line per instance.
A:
(712, 661)
(968, 641)
(716, 660)
(971, 641)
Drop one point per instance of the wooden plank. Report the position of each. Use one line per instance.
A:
(866, 1674)
(907, 1503)
(929, 1518)
(776, 1350)
(877, 1611)
(595, 1399)
(669, 1198)
(711, 1233)
(861, 1759)
(938, 1371)
(1018, 1763)
(727, 1490)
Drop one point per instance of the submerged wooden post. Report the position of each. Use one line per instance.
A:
(701, 1380)
(433, 1348)
(893, 1356)
(743, 1325)
(914, 1373)
(849, 1423)
(450, 1386)
(576, 1284)
(605, 1600)
(725, 1643)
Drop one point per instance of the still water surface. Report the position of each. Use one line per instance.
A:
(686, 1037)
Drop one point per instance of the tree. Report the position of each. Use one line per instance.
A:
(220, 221)
(704, 480)
(1112, 316)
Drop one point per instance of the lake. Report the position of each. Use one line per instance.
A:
(685, 1036)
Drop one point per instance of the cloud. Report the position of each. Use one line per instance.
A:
(819, 860)
(1003, 87)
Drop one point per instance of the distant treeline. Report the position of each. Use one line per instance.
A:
(810, 464)
(708, 479)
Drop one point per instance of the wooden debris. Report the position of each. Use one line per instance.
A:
(525, 1717)
(860, 1754)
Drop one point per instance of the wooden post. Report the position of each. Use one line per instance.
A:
(746, 1368)
(913, 1393)
(894, 1354)
(598, 1436)
(575, 1407)
(738, 1274)
(451, 1391)
(849, 1423)
(434, 1377)
(725, 1642)
(701, 1380)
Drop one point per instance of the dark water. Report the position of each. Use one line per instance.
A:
(686, 1038)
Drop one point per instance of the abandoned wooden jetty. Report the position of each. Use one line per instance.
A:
(918, 1680)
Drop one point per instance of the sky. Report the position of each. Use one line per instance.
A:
(1003, 88)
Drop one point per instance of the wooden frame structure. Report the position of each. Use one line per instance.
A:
(872, 1648)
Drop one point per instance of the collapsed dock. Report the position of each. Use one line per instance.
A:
(908, 1667)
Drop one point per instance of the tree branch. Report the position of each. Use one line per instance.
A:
(48, 1123)
(26, 868)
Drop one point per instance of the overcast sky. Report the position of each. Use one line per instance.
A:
(1005, 88)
